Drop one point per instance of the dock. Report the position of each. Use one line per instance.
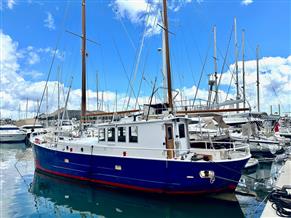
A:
(284, 179)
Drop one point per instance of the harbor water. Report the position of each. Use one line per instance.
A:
(26, 193)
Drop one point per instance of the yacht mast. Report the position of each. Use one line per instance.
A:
(236, 66)
(258, 80)
(97, 90)
(167, 55)
(243, 68)
(215, 66)
(26, 108)
(164, 70)
(83, 104)
(47, 106)
(58, 98)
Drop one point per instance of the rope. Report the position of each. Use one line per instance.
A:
(281, 201)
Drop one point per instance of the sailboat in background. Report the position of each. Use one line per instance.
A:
(149, 151)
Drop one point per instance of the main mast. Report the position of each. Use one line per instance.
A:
(83, 107)
(167, 54)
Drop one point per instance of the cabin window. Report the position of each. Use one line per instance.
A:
(111, 134)
(133, 133)
(182, 130)
(121, 134)
(101, 135)
(170, 132)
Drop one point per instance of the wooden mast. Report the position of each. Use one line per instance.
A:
(167, 53)
(83, 103)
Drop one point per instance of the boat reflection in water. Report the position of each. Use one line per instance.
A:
(86, 199)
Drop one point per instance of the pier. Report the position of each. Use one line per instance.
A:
(284, 179)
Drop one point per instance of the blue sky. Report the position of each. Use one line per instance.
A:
(36, 26)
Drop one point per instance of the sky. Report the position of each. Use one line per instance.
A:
(123, 44)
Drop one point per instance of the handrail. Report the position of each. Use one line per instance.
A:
(165, 149)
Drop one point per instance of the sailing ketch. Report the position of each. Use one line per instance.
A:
(145, 152)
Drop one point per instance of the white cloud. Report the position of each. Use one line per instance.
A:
(246, 2)
(10, 4)
(275, 81)
(32, 74)
(146, 12)
(49, 22)
(134, 10)
(33, 58)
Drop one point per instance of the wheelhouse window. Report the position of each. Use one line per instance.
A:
(133, 133)
(182, 130)
(121, 134)
(111, 134)
(101, 135)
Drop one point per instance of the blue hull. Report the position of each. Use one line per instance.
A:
(162, 176)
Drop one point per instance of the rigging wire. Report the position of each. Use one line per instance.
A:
(225, 57)
(138, 56)
(127, 33)
(52, 62)
(123, 66)
(142, 77)
(201, 74)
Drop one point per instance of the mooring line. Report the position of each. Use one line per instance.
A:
(15, 165)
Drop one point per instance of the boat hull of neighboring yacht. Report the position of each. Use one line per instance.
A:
(12, 137)
(142, 174)
(11, 133)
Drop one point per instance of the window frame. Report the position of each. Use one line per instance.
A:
(112, 138)
(180, 131)
(104, 134)
(124, 134)
(132, 138)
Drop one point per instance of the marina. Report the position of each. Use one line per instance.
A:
(158, 149)
(44, 198)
